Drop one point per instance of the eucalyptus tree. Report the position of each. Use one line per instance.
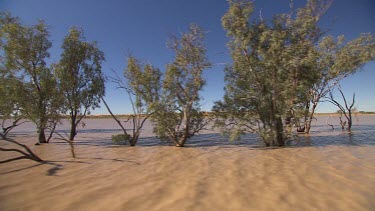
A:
(337, 60)
(272, 70)
(80, 77)
(26, 73)
(179, 116)
(143, 86)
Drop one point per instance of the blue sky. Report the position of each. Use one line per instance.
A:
(142, 27)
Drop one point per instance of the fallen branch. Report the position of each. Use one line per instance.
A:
(29, 154)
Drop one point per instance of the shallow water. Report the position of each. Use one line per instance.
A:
(327, 170)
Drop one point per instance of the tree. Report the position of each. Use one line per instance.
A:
(143, 86)
(276, 66)
(26, 74)
(80, 77)
(347, 111)
(337, 60)
(271, 71)
(179, 117)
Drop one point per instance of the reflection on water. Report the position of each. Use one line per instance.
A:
(326, 170)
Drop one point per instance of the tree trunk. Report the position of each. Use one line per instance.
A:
(42, 135)
(288, 121)
(308, 122)
(342, 123)
(133, 141)
(73, 128)
(52, 131)
(182, 140)
(279, 132)
(71, 144)
(350, 120)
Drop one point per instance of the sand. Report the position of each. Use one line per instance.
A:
(328, 170)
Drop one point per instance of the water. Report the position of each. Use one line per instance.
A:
(327, 170)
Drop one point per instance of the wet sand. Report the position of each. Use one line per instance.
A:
(328, 170)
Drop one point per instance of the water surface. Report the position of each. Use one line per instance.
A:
(327, 170)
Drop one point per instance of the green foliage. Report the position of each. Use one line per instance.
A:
(337, 59)
(178, 117)
(121, 138)
(169, 124)
(281, 69)
(144, 84)
(80, 76)
(273, 67)
(26, 80)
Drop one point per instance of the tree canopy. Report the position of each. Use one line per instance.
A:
(80, 76)
(179, 117)
(277, 64)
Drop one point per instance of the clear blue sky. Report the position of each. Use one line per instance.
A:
(142, 27)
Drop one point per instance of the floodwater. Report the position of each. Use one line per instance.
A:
(327, 170)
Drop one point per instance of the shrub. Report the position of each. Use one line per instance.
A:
(120, 138)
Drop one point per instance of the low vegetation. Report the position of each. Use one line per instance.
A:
(121, 139)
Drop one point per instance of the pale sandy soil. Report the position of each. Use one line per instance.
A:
(329, 170)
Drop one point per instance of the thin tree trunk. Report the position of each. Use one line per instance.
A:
(71, 144)
(52, 131)
(350, 120)
(73, 128)
(311, 117)
(73, 133)
(181, 142)
(279, 132)
(288, 121)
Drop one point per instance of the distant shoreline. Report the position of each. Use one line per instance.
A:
(94, 116)
(336, 114)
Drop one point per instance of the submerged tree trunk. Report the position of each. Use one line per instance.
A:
(279, 132)
(342, 123)
(133, 141)
(42, 135)
(350, 120)
(310, 118)
(288, 121)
